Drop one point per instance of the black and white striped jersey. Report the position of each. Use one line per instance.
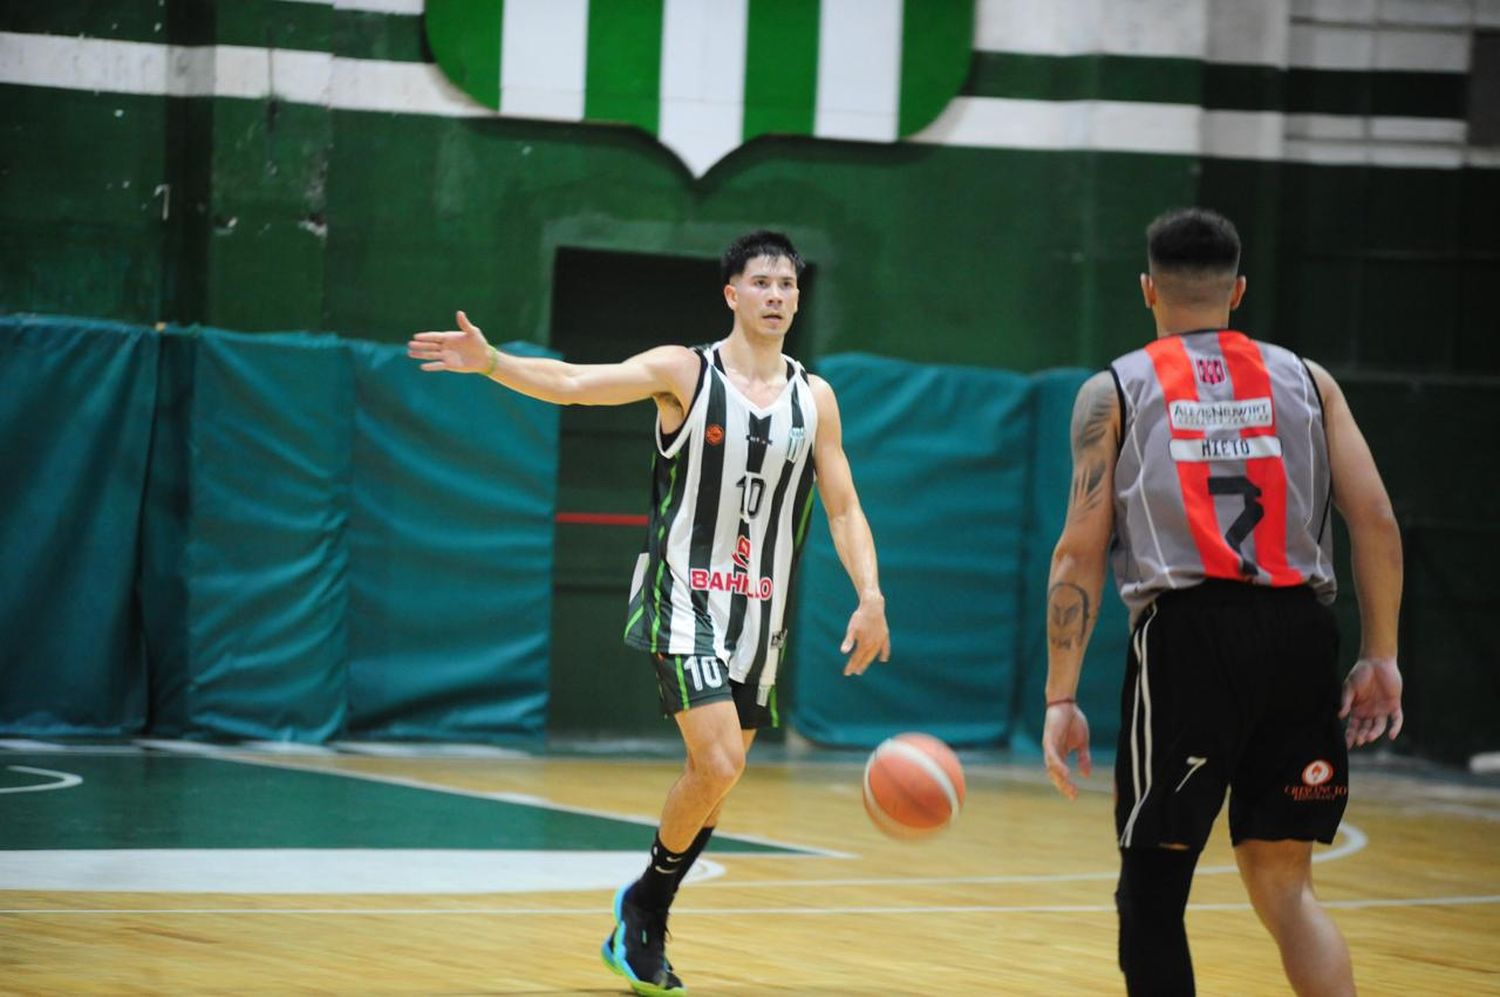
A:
(730, 500)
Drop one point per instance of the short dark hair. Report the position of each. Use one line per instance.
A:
(761, 242)
(1193, 241)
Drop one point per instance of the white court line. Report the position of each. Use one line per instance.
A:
(1454, 901)
(1355, 840)
(65, 780)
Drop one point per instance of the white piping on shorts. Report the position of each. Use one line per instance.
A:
(1140, 717)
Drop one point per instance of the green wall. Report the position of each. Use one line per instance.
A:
(263, 214)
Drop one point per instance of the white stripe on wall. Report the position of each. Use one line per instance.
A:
(295, 76)
(543, 58)
(83, 63)
(702, 79)
(373, 6)
(109, 66)
(401, 88)
(859, 69)
(1418, 35)
(1328, 46)
(1169, 28)
(1178, 129)
(1000, 122)
(1252, 34)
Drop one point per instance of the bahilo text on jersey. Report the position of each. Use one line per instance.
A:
(735, 582)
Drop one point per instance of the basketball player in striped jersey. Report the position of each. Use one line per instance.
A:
(743, 433)
(1205, 465)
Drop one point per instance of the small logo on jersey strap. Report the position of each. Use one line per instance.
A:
(742, 552)
(796, 437)
(1211, 370)
(1317, 773)
(714, 434)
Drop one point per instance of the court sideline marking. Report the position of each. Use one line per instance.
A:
(1453, 901)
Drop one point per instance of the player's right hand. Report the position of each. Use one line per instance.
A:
(1372, 701)
(1066, 730)
(461, 351)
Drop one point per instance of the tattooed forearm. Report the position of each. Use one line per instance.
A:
(1067, 616)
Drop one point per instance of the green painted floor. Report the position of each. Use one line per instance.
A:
(149, 800)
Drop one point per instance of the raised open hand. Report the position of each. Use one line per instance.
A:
(463, 351)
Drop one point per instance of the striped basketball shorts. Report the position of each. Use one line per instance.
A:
(1231, 687)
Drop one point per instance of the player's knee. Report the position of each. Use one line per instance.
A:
(722, 765)
(1278, 878)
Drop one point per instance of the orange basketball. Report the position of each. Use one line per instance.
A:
(914, 786)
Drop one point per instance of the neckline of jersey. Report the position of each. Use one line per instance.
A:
(729, 382)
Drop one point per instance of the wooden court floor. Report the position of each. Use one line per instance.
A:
(1015, 899)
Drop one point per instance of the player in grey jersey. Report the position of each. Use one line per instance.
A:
(1205, 463)
(737, 423)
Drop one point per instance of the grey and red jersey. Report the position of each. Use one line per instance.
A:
(1223, 468)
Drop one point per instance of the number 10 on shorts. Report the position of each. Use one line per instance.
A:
(704, 671)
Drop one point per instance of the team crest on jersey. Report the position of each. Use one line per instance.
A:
(796, 438)
(714, 434)
(1211, 370)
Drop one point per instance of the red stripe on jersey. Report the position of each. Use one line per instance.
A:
(1247, 369)
(1174, 372)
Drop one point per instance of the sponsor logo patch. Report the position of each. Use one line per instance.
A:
(1317, 773)
(1316, 784)
(736, 582)
(1244, 413)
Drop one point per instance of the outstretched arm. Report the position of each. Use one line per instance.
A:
(1372, 690)
(867, 634)
(1077, 578)
(670, 371)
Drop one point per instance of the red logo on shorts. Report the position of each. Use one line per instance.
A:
(714, 434)
(1317, 773)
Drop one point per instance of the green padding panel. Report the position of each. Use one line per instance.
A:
(256, 645)
(75, 431)
(1104, 665)
(450, 546)
(940, 457)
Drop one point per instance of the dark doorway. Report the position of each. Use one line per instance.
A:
(607, 306)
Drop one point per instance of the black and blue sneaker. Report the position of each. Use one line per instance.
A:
(637, 949)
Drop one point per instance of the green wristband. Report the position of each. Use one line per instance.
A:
(494, 360)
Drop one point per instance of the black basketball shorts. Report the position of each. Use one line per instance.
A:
(685, 681)
(1235, 687)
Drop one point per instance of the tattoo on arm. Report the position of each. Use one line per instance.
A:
(1093, 428)
(1088, 487)
(1067, 616)
(1092, 417)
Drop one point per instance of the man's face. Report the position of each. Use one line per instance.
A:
(764, 296)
